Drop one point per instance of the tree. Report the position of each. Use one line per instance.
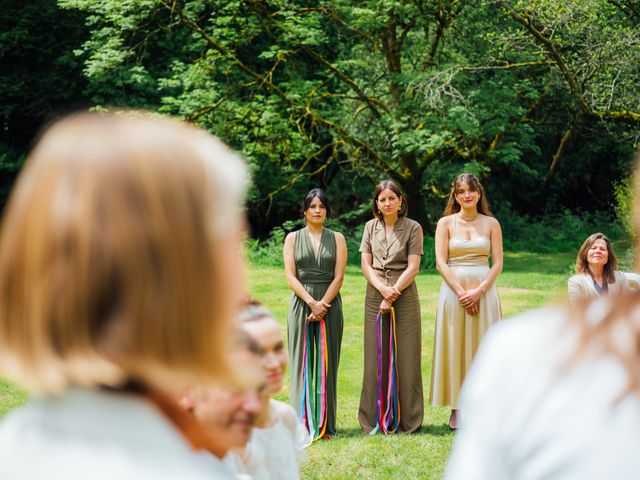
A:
(416, 91)
(40, 77)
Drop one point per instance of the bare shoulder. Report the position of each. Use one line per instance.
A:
(493, 223)
(338, 236)
(286, 414)
(291, 237)
(444, 222)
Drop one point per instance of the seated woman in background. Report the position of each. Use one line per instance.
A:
(278, 437)
(121, 236)
(596, 271)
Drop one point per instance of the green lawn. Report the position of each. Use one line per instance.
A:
(528, 281)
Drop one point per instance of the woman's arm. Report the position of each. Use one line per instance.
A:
(388, 292)
(317, 307)
(474, 294)
(409, 274)
(338, 272)
(442, 256)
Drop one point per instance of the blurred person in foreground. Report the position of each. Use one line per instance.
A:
(278, 439)
(229, 412)
(555, 393)
(120, 239)
(596, 271)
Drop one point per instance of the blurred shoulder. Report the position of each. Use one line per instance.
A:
(285, 413)
(492, 221)
(520, 335)
(446, 220)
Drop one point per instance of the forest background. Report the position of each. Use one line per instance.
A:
(539, 98)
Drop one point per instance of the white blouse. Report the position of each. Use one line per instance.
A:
(527, 414)
(98, 435)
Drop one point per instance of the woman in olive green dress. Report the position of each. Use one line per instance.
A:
(391, 248)
(315, 259)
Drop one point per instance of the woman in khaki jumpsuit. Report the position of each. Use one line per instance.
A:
(391, 248)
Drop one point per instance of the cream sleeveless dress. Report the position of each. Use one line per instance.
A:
(458, 334)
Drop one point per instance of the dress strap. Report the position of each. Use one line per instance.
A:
(455, 217)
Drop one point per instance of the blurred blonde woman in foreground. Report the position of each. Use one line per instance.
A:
(555, 393)
(119, 272)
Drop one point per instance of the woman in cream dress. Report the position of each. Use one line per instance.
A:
(468, 304)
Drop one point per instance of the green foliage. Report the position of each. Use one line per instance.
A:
(341, 94)
(624, 194)
(40, 77)
(554, 233)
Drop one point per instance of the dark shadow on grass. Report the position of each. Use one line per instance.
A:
(349, 433)
(437, 430)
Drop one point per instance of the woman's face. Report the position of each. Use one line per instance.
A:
(598, 254)
(266, 333)
(466, 195)
(316, 212)
(389, 202)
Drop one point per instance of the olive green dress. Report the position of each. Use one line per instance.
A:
(390, 259)
(316, 274)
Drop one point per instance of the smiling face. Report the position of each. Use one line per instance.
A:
(388, 202)
(266, 334)
(467, 195)
(598, 253)
(227, 413)
(316, 212)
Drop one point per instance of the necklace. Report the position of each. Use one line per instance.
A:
(461, 217)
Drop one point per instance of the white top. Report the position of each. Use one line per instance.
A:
(581, 286)
(524, 416)
(99, 435)
(272, 452)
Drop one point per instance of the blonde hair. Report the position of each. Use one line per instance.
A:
(108, 265)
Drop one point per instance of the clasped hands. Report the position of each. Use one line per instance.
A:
(390, 295)
(470, 299)
(318, 310)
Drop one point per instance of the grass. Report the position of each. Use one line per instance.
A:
(528, 281)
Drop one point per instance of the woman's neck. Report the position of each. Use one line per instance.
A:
(266, 417)
(468, 214)
(315, 228)
(390, 220)
(597, 272)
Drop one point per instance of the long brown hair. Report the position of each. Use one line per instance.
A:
(582, 264)
(391, 185)
(474, 184)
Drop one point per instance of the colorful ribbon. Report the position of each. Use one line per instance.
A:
(313, 405)
(387, 417)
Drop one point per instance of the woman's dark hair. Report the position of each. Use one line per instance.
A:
(391, 185)
(313, 193)
(474, 184)
(582, 264)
